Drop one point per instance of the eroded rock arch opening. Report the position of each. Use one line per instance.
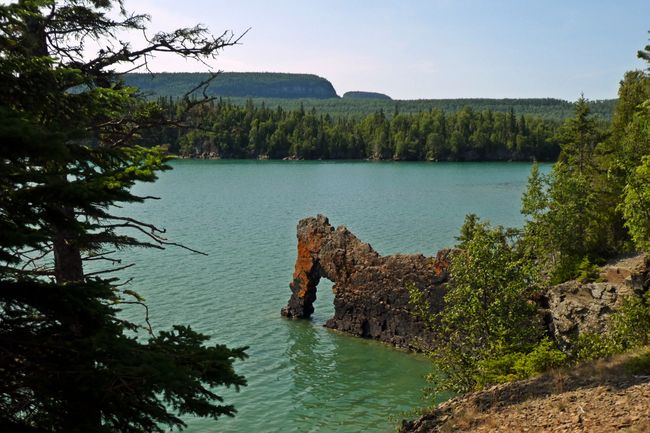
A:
(370, 295)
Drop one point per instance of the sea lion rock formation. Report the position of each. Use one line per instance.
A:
(371, 298)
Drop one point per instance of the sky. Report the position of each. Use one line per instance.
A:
(424, 49)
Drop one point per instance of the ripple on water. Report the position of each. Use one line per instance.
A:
(301, 376)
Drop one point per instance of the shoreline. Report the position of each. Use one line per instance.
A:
(287, 159)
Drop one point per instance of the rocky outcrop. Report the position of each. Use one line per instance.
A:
(574, 307)
(371, 298)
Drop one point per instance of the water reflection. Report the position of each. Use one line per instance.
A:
(338, 385)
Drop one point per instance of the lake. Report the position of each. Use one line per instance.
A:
(301, 376)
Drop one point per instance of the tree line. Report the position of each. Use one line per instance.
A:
(547, 108)
(594, 205)
(225, 130)
(291, 91)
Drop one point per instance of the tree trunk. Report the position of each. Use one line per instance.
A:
(82, 411)
(68, 266)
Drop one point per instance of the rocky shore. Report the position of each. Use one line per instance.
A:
(371, 297)
(371, 300)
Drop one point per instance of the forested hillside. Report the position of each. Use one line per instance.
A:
(237, 84)
(547, 108)
(293, 91)
(221, 129)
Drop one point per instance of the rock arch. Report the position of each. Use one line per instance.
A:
(370, 295)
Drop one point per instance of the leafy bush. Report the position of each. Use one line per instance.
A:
(629, 329)
(636, 200)
(588, 271)
(631, 324)
(590, 346)
(519, 365)
(566, 269)
(487, 315)
(544, 356)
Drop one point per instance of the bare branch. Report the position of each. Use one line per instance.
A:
(107, 271)
(124, 283)
(152, 227)
(146, 313)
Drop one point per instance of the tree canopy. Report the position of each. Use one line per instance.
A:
(230, 131)
(68, 132)
(593, 205)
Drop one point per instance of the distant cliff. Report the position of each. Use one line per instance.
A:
(293, 91)
(236, 84)
(357, 94)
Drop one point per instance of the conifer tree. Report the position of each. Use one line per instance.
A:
(68, 361)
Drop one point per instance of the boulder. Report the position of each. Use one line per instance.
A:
(574, 307)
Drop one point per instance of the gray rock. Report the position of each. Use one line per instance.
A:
(573, 307)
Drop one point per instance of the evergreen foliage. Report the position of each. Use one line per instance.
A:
(68, 131)
(565, 209)
(231, 131)
(594, 204)
(636, 205)
(545, 108)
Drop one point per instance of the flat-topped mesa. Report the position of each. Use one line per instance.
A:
(371, 298)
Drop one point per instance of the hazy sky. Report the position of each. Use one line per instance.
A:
(425, 49)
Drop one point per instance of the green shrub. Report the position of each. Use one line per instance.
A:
(543, 357)
(629, 328)
(497, 370)
(487, 314)
(631, 324)
(590, 346)
(587, 271)
(566, 269)
(520, 365)
(636, 197)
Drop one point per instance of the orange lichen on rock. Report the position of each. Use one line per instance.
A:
(304, 266)
(441, 264)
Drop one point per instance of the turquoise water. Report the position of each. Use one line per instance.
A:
(301, 376)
